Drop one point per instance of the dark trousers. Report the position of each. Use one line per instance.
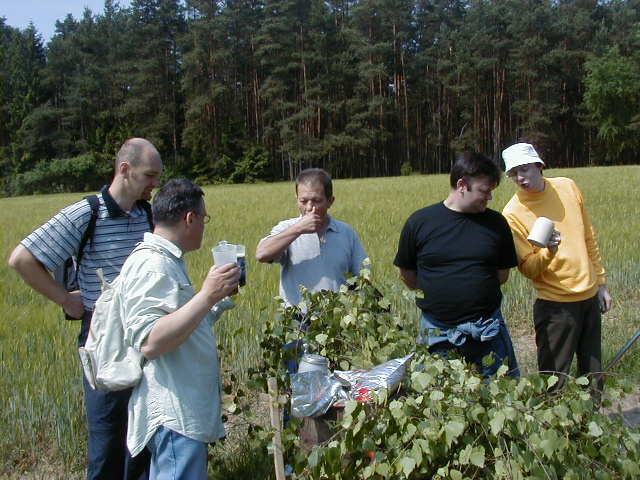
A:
(565, 329)
(108, 456)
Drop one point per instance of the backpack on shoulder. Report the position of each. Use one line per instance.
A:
(107, 361)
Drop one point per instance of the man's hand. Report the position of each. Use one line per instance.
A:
(311, 222)
(554, 241)
(221, 281)
(604, 299)
(72, 304)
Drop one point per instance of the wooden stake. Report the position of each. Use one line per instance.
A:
(276, 423)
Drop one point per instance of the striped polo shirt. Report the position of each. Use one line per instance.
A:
(116, 234)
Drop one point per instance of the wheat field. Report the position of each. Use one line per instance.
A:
(41, 411)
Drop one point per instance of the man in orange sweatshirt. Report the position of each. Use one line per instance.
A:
(567, 274)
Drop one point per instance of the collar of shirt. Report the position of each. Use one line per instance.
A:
(163, 243)
(113, 208)
(333, 225)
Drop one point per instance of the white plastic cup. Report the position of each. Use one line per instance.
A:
(541, 232)
(224, 253)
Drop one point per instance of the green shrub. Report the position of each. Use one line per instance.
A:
(87, 172)
(406, 169)
(446, 421)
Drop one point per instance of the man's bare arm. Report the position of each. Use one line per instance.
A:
(36, 276)
(503, 275)
(409, 277)
(271, 248)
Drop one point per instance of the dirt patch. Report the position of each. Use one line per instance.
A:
(628, 408)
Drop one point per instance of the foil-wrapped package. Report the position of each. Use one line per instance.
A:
(312, 393)
(364, 383)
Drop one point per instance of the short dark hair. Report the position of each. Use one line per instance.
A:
(174, 199)
(313, 175)
(471, 165)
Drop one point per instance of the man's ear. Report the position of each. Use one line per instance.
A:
(123, 168)
(461, 185)
(190, 217)
(331, 200)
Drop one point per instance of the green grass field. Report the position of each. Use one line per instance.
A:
(42, 419)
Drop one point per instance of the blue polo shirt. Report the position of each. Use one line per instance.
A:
(116, 234)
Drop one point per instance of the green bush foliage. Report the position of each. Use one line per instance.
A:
(446, 421)
(83, 173)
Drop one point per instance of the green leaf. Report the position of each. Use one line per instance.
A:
(436, 395)
(594, 429)
(552, 380)
(421, 380)
(465, 454)
(497, 423)
(550, 443)
(368, 471)
(350, 406)
(584, 381)
(314, 457)
(322, 338)
(477, 456)
(409, 432)
(348, 320)
(383, 469)
(453, 430)
(455, 474)
(407, 465)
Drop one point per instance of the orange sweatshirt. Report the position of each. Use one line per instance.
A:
(575, 271)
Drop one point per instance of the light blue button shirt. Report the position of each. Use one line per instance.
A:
(318, 262)
(180, 389)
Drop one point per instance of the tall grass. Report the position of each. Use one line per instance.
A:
(42, 418)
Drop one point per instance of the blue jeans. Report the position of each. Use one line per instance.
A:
(108, 456)
(473, 341)
(176, 457)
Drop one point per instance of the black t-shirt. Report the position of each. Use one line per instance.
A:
(457, 257)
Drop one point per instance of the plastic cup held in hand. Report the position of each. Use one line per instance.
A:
(224, 253)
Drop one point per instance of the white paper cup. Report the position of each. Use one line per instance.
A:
(541, 232)
(223, 254)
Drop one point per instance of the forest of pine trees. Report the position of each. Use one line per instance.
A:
(245, 90)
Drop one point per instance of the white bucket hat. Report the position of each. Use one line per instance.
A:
(519, 154)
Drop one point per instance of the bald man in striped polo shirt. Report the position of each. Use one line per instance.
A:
(121, 223)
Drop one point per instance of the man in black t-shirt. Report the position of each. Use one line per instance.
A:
(458, 253)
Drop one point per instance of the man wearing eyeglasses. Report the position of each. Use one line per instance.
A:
(567, 274)
(175, 410)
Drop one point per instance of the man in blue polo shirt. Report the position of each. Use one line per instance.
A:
(315, 250)
(121, 223)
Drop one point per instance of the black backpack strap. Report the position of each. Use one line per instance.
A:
(146, 206)
(94, 203)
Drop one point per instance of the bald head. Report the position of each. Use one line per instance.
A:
(134, 150)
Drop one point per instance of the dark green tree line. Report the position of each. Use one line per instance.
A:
(241, 90)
